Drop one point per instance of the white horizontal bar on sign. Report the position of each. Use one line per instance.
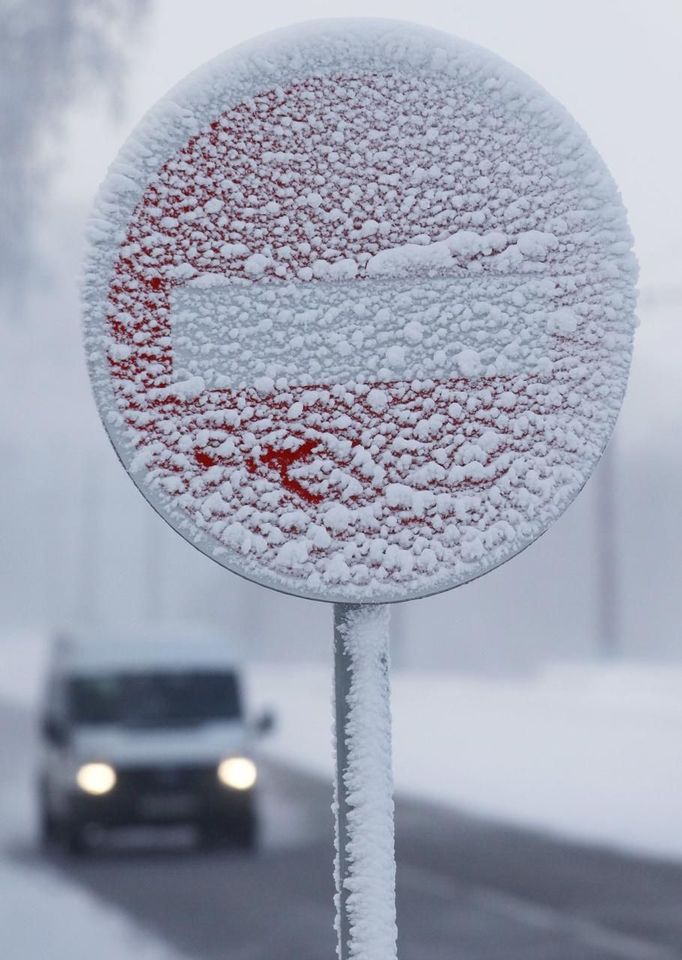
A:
(239, 334)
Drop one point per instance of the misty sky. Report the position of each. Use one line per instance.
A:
(615, 64)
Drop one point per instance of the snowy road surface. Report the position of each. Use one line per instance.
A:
(467, 889)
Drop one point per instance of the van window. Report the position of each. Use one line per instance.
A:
(154, 699)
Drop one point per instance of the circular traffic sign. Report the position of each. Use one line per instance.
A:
(359, 310)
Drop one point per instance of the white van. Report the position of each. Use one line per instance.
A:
(142, 730)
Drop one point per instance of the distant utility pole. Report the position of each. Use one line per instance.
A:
(609, 627)
(153, 561)
(90, 546)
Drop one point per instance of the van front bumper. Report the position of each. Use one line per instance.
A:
(164, 795)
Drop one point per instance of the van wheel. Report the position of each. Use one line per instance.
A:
(48, 826)
(241, 832)
(245, 832)
(214, 833)
(73, 838)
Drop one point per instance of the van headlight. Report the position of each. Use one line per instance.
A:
(239, 773)
(96, 778)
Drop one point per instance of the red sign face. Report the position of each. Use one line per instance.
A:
(359, 311)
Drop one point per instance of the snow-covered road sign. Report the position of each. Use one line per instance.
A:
(359, 310)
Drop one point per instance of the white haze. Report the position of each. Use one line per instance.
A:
(78, 541)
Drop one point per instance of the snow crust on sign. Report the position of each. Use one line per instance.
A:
(368, 780)
(359, 310)
(317, 333)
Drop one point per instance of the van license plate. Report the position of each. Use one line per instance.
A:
(164, 805)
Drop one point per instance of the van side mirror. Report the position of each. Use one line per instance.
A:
(264, 722)
(54, 731)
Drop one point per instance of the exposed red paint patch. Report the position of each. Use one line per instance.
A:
(204, 459)
(281, 460)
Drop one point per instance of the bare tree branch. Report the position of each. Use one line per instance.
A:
(53, 53)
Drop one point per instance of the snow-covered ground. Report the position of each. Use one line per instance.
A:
(584, 751)
(44, 918)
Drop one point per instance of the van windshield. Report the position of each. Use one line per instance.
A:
(154, 699)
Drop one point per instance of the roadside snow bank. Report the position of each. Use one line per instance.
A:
(587, 751)
(72, 924)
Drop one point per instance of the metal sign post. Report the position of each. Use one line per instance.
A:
(359, 312)
(363, 795)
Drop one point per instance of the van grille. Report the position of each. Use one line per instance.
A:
(144, 780)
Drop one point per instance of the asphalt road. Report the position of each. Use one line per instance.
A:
(467, 889)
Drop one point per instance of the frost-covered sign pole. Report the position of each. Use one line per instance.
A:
(359, 315)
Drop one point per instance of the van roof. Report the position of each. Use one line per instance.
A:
(138, 648)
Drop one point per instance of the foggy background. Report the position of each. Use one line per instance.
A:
(536, 712)
(77, 541)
